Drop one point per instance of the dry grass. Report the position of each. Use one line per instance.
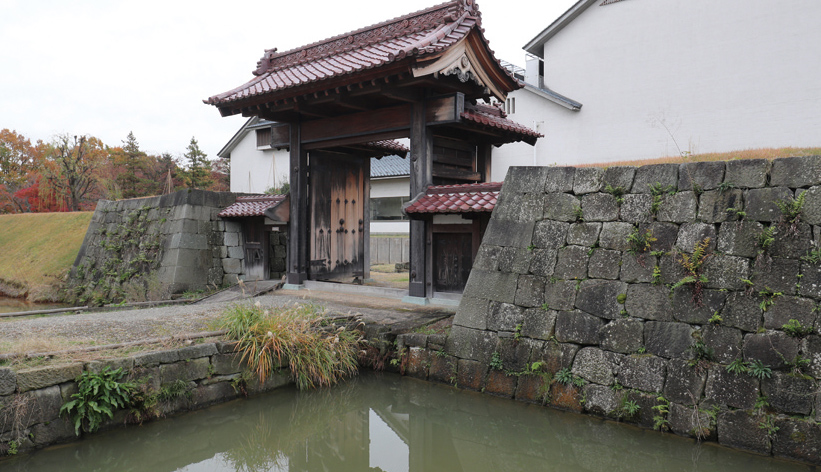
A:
(761, 153)
(38, 248)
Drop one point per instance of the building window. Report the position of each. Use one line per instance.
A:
(264, 138)
(388, 209)
(510, 106)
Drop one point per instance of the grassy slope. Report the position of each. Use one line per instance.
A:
(762, 153)
(35, 246)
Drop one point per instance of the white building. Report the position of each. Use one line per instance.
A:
(669, 77)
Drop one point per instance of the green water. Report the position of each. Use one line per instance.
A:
(391, 424)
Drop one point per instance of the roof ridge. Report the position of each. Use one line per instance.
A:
(427, 18)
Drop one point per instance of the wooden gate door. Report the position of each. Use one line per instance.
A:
(452, 261)
(256, 249)
(337, 239)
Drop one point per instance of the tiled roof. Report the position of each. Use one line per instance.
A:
(493, 117)
(389, 145)
(467, 198)
(417, 34)
(250, 206)
(390, 166)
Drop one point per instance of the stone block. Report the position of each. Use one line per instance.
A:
(684, 384)
(508, 206)
(600, 207)
(792, 245)
(272, 382)
(572, 263)
(583, 234)
(515, 260)
(614, 235)
(514, 353)
(8, 381)
(790, 394)
(559, 179)
(691, 234)
(473, 344)
(645, 402)
(726, 272)
(197, 350)
(472, 313)
(442, 369)
(232, 266)
(526, 179)
(496, 286)
(561, 207)
(236, 253)
(578, 327)
(213, 393)
(677, 208)
(642, 372)
(601, 298)
(773, 348)
(41, 377)
(224, 364)
(587, 180)
(505, 316)
(625, 336)
(662, 174)
(538, 323)
(742, 311)
(700, 175)
(125, 363)
(560, 294)
(690, 421)
(531, 389)
(189, 241)
(788, 308)
(650, 302)
(777, 275)
(471, 374)
(186, 370)
(418, 363)
(595, 365)
(810, 280)
(797, 439)
(811, 211)
(226, 347)
(412, 340)
(487, 258)
(760, 203)
(637, 268)
(688, 310)
(500, 383)
(154, 358)
(57, 431)
(747, 173)
(543, 262)
(600, 400)
(509, 233)
(619, 176)
(549, 234)
(566, 397)
(740, 238)
(530, 291)
(741, 430)
(713, 205)
(604, 264)
(811, 349)
(734, 390)
(635, 207)
(665, 234)
(44, 405)
(554, 355)
(725, 342)
(670, 340)
(796, 171)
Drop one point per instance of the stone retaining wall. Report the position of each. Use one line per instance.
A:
(562, 308)
(30, 399)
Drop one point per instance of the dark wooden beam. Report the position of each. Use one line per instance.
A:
(420, 284)
(280, 135)
(298, 227)
(455, 173)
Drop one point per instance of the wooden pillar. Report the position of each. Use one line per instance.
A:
(483, 161)
(366, 216)
(298, 227)
(421, 144)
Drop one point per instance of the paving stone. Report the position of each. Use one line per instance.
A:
(649, 302)
(725, 342)
(471, 374)
(504, 316)
(497, 286)
(747, 173)
(687, 310)
(726, 272)
(700, 175)
(742, 311)
(796, 171)
(777, 275)
(595, 365)
(41, 377)
(637, 268)
(741, 430)
(549, 234)
(604, 264)
(734, 390)
(690, 421)
(760, 203)
(560, 294)
(740, 238)
(790, 394)
(587, 180)
(788, 308)
(773, 348)
(635, 208)
(578, 327)
(600, 400)
(668, 339)
(691, 234)
(538, 323)
(678, 208)
(472, 313)
(473, 344)
(642, 372)
(559, 179)
(600, 298)
(572, 263)
(713, 205)
(614, 235)
(600, 207)
(625, 336)
(583, 234)
(811, 211)
(530, 291)
(684, 384)
(561, 207)
(662, 174)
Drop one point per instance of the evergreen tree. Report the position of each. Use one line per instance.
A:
(131, 165)
(198, 174)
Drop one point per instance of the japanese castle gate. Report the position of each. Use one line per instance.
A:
(340, 101)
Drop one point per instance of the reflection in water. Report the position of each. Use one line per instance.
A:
(386, 423)
(12, 305)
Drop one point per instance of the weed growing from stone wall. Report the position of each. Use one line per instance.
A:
(693, 264)
(98, 396)
(791, 213)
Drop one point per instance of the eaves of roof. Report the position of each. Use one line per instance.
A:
(554, 97)
(536, 45)
(225, 152)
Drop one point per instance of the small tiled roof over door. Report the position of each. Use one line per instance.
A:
(254, 205)
(467, 198)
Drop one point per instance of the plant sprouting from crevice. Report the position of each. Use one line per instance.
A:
(693, 265)
(791, 213)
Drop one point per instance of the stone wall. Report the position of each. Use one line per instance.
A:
(148, 248)
(581, 298)
(30, 399)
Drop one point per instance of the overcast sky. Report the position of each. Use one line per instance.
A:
(105, 67)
